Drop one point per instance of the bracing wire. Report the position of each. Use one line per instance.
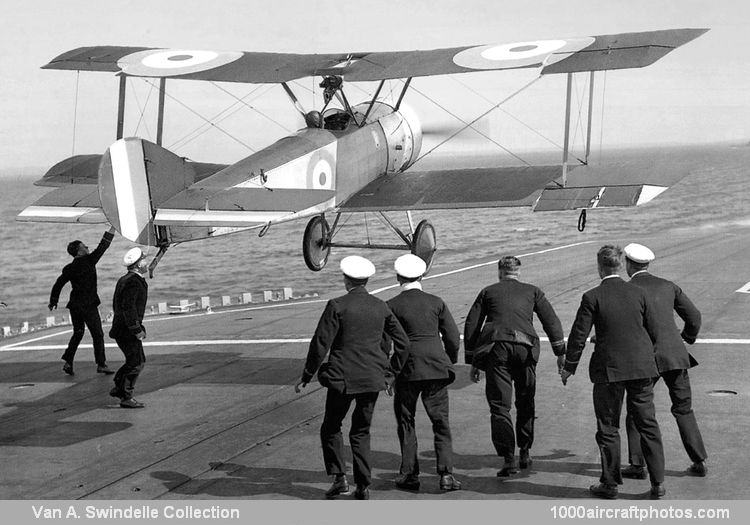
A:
(601, 119)
(206, 120)
(469, 124)
(143, 111)
(220, 116)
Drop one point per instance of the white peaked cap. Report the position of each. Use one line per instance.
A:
(132, 256)
(639, 253)
(410, 266)
(357, 267)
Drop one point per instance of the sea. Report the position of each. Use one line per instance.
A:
(33, 254)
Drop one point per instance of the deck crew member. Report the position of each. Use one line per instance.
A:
(623, 361)
(84, 301)
(499, 337)
(351, 328)
(672, 358)
(434, 343)
(129, 305)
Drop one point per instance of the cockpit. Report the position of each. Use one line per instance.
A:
(333, 119)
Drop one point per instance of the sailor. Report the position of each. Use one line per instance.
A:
(129, 305)
(352, 329)
(672, 359)
(499, 337)
(84, 301)
(622, 363)
(434, 343)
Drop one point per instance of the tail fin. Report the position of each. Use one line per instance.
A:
(135, 177)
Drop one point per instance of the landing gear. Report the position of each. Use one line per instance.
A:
(423, 243)
(318, 240)
(315, 243)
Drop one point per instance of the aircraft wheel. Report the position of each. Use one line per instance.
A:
(315, 249)
(424, 243)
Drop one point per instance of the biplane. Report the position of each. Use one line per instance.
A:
(348, 158)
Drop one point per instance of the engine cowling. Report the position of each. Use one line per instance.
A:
(403, 132)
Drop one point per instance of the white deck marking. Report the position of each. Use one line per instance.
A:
(302, 340)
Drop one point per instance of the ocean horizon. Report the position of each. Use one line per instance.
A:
(34, 253)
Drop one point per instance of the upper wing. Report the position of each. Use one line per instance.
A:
(565, 55)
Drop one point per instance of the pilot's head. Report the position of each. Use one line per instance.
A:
(313, 119)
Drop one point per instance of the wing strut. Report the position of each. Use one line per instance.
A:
(588, 128)
(567, 131)
(121, 107)
(403, 92)
(160, 118)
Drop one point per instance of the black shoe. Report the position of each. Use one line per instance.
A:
(449, 483)
(68, 368)
(604, 491)
(104, 369)
(131, 403)
(407, 482)
(698, 469)
(524, 460)
(633, 472)
(508, 470)
(340, 486)
(362, 492)
(657, 490)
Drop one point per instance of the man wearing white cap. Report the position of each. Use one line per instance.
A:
(499, 337)
(672, 359)
(129, 305)
(352, 327)
(435, 341)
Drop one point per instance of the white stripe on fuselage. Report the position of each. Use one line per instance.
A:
(131, 187)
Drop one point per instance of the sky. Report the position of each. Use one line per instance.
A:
(698, 93)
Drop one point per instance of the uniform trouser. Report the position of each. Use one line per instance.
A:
(332, 442)
(678, 384)
(434, 395)
(81, 318)
(135, 360)
(511, 366)
(608, 399)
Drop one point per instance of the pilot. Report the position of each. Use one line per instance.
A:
(84, 301)
(129, 305)
(352, 329)
(499, 337)
(434, 343)
(672, 359)
(313, 119)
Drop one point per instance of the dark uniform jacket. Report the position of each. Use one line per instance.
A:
(665, 297)
(504, 312)
(129, 305)
(625, 331)
(81, 273)
(352, 327)
(426, 319)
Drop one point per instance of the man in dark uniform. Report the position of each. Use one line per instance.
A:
(499, 337)
(623, 361)
(84, 301)
(672, 359)
(129, 305)
(352, 328)
(427, 373)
